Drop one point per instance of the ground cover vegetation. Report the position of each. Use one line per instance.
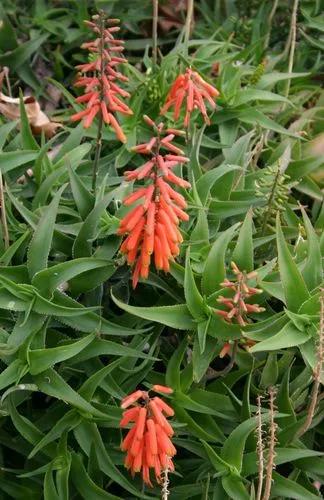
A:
(161, 300)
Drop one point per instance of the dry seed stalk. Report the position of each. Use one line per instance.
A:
(260, 448)
(3, 215)
(272, 440)
(165, 483)
(316, 374)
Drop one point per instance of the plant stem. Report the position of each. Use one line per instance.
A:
(317, 374)
(6, 73)
(3, 215)
(272, 443)
(190, 9)
(271, 16)
(270, 200)
(291, 46)
(154, 31)
(260, 449)
(102, 97)
(165, 483)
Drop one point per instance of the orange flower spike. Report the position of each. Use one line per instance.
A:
(101, 89)
(148, 444)
(153, 228)
(192, 88)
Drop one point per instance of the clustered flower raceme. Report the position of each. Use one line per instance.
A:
(99, 76)
(192, 88)
(238, 309)
(151, 226)
(147, 443)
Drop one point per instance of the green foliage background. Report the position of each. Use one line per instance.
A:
(75, 338)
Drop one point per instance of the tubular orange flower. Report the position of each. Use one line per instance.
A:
(192, 89)
(147, 443)
(152, 227)
(98, 77)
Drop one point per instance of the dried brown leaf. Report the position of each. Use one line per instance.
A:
(39, 121)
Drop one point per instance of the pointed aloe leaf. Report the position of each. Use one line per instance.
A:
(172, 376)
(90, 385)
(69, 420)
(235, 488)
(42, 359)
(195, 429)
(207, 181)
(288, 336)
(47, 280)
(202, 332)
(100, 347)
(176, 316)
(5, 130)
(284, 402)
(83, 242)
(201, 359)
(50, 491)
(312, 271)
(83, 198)
(41, 242)
(27, 429)
(13, 159)
(283, 456)
(286, 488)
(194, 300)
(24, 330)
(60, 174)
(108, 467)
(243, 251)
(270, 372)
(214, 271)
(12, 373)
(294, 286)
(7, 256)
(27, 138)
(91, 321)
(87, 488)
(52, 384)
(217, 462)
(232, 451)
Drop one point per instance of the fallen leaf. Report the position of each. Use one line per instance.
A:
(39, 121)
